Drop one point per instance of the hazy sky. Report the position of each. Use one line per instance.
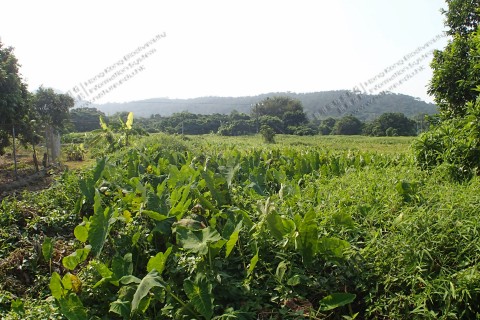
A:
(224, 48)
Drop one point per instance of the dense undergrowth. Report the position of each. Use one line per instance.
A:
(201, 229)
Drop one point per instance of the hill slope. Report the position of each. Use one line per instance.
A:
(312, 103)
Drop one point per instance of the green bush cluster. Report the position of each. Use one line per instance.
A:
(452, 143)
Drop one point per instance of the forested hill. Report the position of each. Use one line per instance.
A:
(312, 103)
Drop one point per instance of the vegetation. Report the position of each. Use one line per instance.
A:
(15, 101)
(391, 124)
(214, 228)
(264, 226)
(348, 125)
(455, 69)
(85, 119)
(453, 141)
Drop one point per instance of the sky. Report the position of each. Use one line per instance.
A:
(119, 51)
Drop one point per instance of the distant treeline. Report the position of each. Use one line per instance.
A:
(283, 114)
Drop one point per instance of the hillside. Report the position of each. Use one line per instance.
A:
(312, 102)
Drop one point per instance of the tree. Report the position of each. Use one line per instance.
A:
(53, 110)
(348, 125)
(288, 110)
(85, 119)
(454, 71)
(389, 124)
(326, 126)
(452, 142)
(273, 122)
(15, 100)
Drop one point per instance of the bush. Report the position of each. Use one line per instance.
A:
(453, 143)
(268, 134)
(75, 152)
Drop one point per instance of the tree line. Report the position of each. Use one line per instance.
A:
(284, 115)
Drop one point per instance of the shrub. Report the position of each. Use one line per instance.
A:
(454, 143)
(268, 134)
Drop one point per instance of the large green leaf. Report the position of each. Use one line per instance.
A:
(278, 226)
(99, 168)
(47, 248)
(151, 280)
(332, 246)
(81, 233)
(217, 195)
(56, 286)
(99, 225)
(336, 300)
(122, 266)
(72, 308)
(197, 241)
(122, 308)
(71, 261)
(158, 262)
(200, 294)
(307, 238)
(253, 263)
(231, 242)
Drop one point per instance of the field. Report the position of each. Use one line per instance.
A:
(209, 227)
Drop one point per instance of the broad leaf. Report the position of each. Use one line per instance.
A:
(158, 262)
(217, 195)
(200, 294)
(336, 300)
(99, 225)
(150, 281)
(122, 308)
(72, 308)
(71, 261)
(231, 242)
(278, 226)
(56, 286)
(253, 263)
(332, 246)
(81, 233)
(122, 266)
(307, 238)
(280, 272)
(197, 241)
(47, 248)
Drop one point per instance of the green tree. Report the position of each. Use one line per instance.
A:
(53, 108)
(348, 125)
(288, 110)
(85, 119)
(389, 124)
(454, 141)
(454, 71)
(273, 122)
(15, 100)
(326, 126)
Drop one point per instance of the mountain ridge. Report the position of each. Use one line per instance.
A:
(312, 102)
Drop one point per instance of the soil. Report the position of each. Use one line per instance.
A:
(27, 177)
